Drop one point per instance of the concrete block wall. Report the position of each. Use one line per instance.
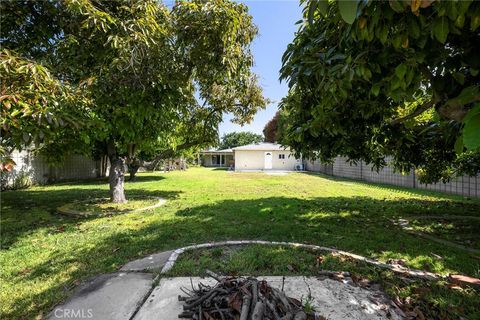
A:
(388, 176)
(466, 186)
(40, 172)
(75, 167)
(317, 166)
(342, 168)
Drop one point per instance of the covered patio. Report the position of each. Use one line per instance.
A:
(217, 158)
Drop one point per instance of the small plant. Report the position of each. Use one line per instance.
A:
(22, 181)
(308, 305)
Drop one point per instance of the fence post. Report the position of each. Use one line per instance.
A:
(361, 170)
(413, 175)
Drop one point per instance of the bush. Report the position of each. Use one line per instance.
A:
(20, 180)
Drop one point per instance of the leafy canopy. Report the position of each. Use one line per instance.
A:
(271, 130)
(236, 139)
(137, 68)
(371, 79)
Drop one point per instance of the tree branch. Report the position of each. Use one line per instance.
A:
(418, 111)
(170, 153)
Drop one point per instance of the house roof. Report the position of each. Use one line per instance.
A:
(217, 151)
(264, 146)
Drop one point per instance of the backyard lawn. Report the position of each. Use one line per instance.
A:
(44, 255)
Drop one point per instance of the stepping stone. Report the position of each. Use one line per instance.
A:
(153, 262)
(113, 296)
(333, 299)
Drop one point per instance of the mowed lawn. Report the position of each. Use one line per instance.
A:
(45, 255)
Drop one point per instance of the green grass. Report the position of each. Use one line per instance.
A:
(45, 255)
(464, 232)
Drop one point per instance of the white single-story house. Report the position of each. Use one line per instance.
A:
(260, 156)
(265, 156)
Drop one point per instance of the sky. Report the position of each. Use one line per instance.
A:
(275, 20)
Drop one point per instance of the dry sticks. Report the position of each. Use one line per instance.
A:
(234, 298)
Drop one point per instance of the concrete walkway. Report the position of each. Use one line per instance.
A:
(137, 296)
(115, 296)
(330, 298)
(136, 292)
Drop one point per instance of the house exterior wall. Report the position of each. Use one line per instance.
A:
(255, 160)
(249, 160)
(284, 164)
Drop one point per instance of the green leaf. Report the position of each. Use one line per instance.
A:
(383, 35)
(397, 5)
(323, 7)
(311, 10)
(400, 71)
(475, 23)
(348, 10)
(471, 133)
(397, 41)
(375, 89)
(468, 95)
(413, 29)
(440, 29)
(472, 112)
(459, 145)
(14, 113)
(460, 77)
(460, 21)
(474, 14)
(26, 137)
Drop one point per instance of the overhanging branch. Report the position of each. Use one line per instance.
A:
(418, 111)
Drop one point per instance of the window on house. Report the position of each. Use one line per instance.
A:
(281, 156)
(218, 159)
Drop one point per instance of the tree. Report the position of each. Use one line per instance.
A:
(35, 104)
(141, 66)
(374, 79)
(270, 131)
(236, 139)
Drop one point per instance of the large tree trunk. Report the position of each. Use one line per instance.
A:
(117, 175)
(133, 169)
(117, 180)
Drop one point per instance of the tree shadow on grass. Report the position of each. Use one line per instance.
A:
(144, 178)
(363, 225)
(358, 224)
(25, 212)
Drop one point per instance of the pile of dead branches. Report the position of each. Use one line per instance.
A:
(240, 299)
